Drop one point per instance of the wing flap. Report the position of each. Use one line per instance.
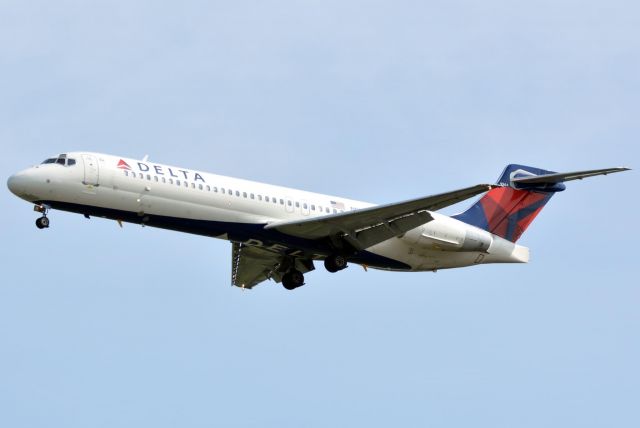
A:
(250, 267)
(373, 235)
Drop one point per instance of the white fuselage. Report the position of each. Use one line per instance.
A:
(197, 202)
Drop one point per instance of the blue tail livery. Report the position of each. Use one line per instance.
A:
(508, 210)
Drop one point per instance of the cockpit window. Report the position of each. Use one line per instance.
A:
(61, 160)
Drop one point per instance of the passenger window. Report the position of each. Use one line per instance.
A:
(252, 196)
(289, 203)
(178, 182)
(274, 200)
(171, 181)
(244, 194)
(237, 193)
(126, 173)
(155, 177)
(304, 206)
(140, 175)
(208, 188)
(230, 192)
(281, 201)
(327, 209)
(149, 177)
(266, 199)
(186, 184)
(215, 189)
(163, 180)
(297, 204)
(259, 197)
(313, 207)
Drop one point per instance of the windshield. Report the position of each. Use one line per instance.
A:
(62, 159)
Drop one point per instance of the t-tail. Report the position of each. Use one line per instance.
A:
(523, 191)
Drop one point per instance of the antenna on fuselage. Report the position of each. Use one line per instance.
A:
(145, 158)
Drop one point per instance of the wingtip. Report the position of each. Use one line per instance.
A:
(617, 169)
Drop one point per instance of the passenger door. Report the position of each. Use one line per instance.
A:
(91, 172)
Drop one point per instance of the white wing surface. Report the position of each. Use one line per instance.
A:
(366, 227)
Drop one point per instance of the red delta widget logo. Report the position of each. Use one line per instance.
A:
(162, 170)
(123, 165)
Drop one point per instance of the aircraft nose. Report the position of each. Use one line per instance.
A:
(20, 183)
(26, 185)
(15, 183)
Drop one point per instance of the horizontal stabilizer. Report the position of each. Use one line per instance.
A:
(565, 176)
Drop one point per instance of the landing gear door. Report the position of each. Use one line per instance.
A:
(90, 170)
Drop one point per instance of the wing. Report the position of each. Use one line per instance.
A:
(369, 226)
(252, 265)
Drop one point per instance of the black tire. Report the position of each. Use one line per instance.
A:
(335, 263)
(340, 262)
(286, 282)
(297, 278)
(292, 280)
(42, 222)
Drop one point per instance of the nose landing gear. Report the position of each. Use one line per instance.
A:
(42, 222)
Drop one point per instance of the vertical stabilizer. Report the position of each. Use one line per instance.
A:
(507, 211)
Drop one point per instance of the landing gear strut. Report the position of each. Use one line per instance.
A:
(293, 279)
(42, 222)
(335, 262)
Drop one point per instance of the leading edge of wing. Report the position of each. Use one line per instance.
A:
(398, 217)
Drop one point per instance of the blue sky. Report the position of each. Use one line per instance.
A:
(379, 101)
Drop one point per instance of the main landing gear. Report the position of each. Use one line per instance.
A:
(335, 263)
(42, 222)
(293, 279)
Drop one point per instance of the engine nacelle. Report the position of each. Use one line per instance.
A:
(446, 234)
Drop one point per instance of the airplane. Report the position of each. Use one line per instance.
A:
(278, 233)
